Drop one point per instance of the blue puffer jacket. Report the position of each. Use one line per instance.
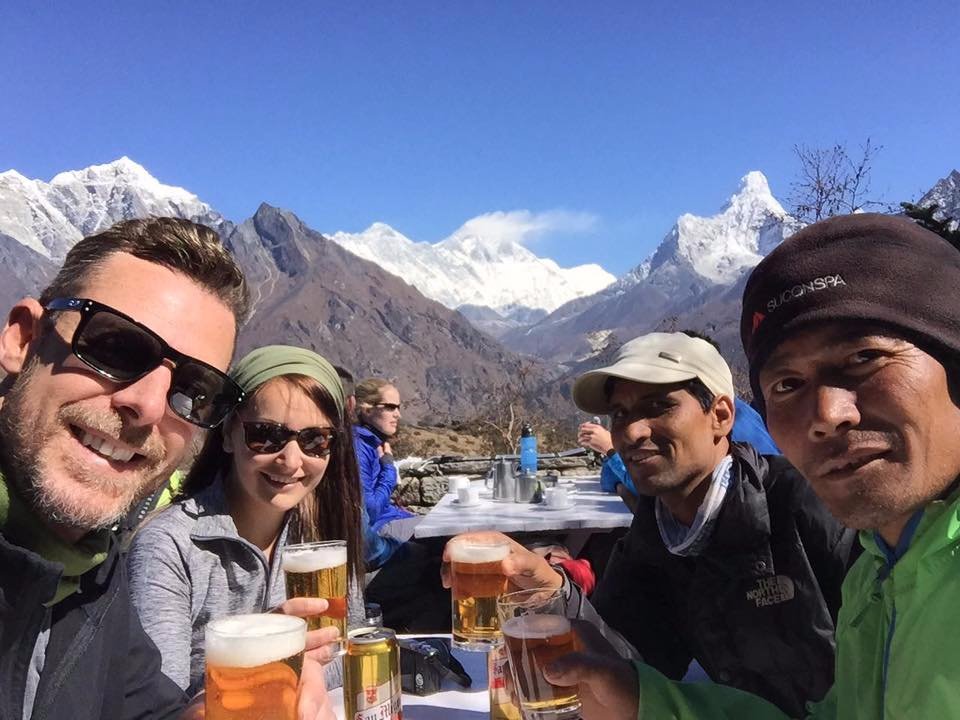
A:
(378, 477)
(748, 428)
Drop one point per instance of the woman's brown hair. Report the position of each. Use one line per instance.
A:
(332, 510)
(368, 393)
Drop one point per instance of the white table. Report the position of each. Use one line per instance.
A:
(452, 702)
(592, 510)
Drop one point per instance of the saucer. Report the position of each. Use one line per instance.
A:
(457, 502)
(558, 507)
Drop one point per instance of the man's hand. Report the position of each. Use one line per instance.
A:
(322, 647)
(525, 569)
(322, 644)
(314, 702)
(596, 437)
(606, 683)
(607, 687)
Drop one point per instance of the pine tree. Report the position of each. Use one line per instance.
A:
(948, 228)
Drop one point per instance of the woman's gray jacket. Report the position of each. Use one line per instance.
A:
(188, 565)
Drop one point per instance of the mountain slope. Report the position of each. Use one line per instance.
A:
(310, 291)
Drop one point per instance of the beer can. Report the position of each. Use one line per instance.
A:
(371, 675)
(501, 707)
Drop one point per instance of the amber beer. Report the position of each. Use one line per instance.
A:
(371, 675)
(319, 570)
(476, 580)
(253, 667)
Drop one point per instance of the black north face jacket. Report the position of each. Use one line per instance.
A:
(757, 608)
(100, 665)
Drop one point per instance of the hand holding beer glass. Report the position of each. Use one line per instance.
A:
(536, 631)
(319, 570)
(476, 580)
(477, 568)
(253, 666)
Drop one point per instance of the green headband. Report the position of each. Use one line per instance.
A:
(272, 361)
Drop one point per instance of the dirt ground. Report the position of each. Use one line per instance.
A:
(425, 441)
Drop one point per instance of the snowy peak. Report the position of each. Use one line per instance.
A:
(51, 217)
(945, 195)
(470, 267)
(721, 246)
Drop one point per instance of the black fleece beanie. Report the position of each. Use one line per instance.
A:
(874, 268)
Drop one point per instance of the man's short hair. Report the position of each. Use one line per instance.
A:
(702, 336)
(179, 245)
(346, 379)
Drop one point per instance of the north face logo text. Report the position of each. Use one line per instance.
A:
(800, 289)
(772, 591)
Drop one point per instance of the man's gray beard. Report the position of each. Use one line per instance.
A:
(19, 469)
(20, 447)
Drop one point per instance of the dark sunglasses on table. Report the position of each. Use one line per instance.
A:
(267, 438)
(389, 407)
(119, 348)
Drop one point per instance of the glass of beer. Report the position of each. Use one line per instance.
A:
(536, 631)
(476, 580)
(319, 570)
(253, 666)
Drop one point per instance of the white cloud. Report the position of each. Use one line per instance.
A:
(523, 226)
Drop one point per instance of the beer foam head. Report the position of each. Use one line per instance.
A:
(313, 557)
(465, 551)
(251, 640)
(536, 627)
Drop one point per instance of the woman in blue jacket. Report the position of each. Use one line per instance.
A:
(378, 415)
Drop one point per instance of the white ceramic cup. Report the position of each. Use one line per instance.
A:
(557, 497)
(455, 482)
(468, 495)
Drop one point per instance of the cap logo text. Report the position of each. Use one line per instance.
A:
(806, 287)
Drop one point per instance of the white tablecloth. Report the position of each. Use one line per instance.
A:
(452, 703)
(591, 509)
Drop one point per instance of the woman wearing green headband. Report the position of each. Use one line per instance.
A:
(280, 470)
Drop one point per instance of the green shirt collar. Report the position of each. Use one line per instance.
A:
(21, 526)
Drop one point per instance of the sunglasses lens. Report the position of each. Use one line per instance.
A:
(201, 395)
(264, 438)
(116, 347)
(316, 441)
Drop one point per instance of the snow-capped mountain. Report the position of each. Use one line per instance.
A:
(696, 256)
(474, 270)
(945, 195)
(50, 217)
(720, 247)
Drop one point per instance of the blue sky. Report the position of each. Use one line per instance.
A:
(613, 118)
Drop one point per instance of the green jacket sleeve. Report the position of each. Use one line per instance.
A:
(664, 699)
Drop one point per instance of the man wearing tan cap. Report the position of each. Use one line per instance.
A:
(731, 559)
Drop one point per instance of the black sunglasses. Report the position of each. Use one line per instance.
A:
(267, 438)
(389, 407)
(121, 349)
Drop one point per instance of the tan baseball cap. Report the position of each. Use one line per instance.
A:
(656, 359)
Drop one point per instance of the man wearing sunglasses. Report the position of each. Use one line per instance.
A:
(109, 375)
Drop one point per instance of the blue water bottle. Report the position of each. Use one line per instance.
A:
(528, 449)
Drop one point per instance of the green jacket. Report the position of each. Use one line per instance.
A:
(898, 638)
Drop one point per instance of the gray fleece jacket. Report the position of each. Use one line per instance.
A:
(188, 566)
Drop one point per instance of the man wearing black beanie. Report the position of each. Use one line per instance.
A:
(852, 330)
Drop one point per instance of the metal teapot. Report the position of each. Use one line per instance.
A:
(503, 479)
